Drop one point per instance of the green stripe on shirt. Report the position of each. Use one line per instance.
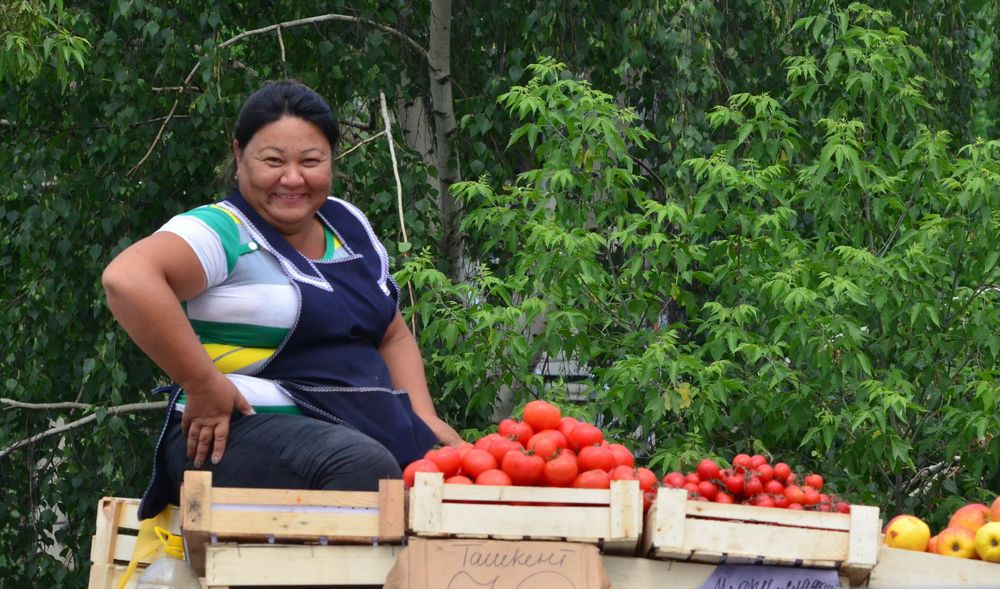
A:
(236, 334)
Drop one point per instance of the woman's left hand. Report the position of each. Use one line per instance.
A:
(444, 432)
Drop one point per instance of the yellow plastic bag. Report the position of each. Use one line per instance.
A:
(148, 542)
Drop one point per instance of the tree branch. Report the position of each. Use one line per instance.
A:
(399, 193)
(130, 408)
(64, 405)
(360, 145)
(276, 27)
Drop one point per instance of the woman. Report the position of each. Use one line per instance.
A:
(274, 313)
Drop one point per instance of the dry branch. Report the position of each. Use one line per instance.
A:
(276, 27)
(129, 408)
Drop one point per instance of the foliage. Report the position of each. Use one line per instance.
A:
(805, 269)
(34, 37)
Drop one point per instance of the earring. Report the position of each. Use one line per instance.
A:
(236, 176)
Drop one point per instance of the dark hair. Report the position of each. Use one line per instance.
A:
(282, 98)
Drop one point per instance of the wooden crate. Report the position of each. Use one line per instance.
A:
(273, 565)
(114, 541)
(210, 515)
(921, 570)
(611, 518)
(708, 532)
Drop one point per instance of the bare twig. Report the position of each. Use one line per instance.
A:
(281, 43)
(287, 24)
(399, 193)
(130, 408)
(895, 231)
(63, 405)
(360, 145)
(192, 89)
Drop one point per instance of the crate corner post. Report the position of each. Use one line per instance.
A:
(196, 509)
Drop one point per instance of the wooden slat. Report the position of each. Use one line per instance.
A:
(391, 510)
(277, 564)
(109, 515)
(771, 543)
(295, 525)
(496, 494)
(588, 523)
(749, 513)
(196, 514)
(288, 497)
(865, 536)
(921, 570)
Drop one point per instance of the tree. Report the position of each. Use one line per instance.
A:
(805, 269)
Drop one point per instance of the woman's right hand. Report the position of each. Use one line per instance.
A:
(208, 408)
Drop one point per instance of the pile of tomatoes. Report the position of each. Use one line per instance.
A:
(753, 480)
(544, 448)
(548, 449)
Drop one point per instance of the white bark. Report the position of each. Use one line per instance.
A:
(443, 114)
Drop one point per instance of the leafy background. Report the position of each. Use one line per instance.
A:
(762, 226)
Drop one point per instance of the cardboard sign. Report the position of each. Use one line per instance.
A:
(771, 577)
(495, 564)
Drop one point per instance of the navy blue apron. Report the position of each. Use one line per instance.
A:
(329, 362)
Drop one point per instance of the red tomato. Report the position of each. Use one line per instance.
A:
(566, 425)
(811, 495)
(782, 471)
(493, 476)
(623, 456)
(764, 472)
(708, 490)
(647, 478)
(707, 469)
(774, 488)
(500, 446)
(796, 506)
(595, 458)
(463, 448)
(734, 483)
(623, 473)
(561, 471)
(674, 480)
(743, 461)
(815, 481)
(544, 443)
(459, 479)
(763, 501)
(592, 479)
(477, 461)
(795, 494)
(419, 465)
(484, 442)
(692, 477)
(515, 430)
(447, 458)
(781, 501)
(757, 460)
(724, 498)
(843, 507)
(585, 434)
(753, 486)
(692, 489)
(523, 469)
(541, 415)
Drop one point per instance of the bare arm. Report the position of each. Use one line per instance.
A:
(402, 354)
(145, 285)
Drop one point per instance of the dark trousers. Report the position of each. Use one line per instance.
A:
(281, 451)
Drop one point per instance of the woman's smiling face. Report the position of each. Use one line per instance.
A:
(285, 171)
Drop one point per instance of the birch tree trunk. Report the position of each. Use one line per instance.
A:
(443, 114)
